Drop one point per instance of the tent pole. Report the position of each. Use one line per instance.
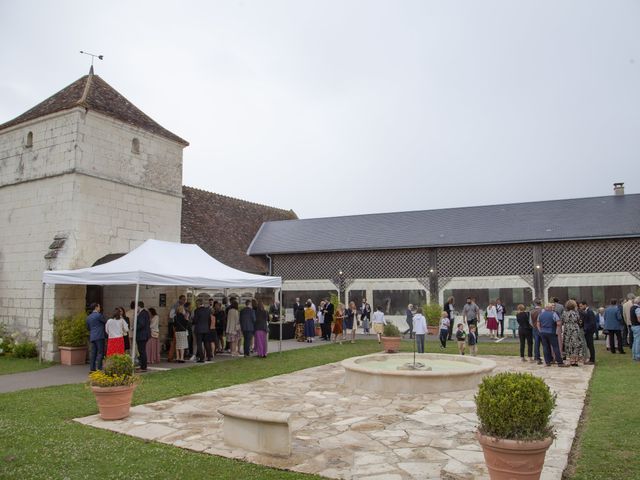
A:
(280, 318)
(41, 320)
(135, 324)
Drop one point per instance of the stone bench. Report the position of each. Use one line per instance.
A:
(257, 430)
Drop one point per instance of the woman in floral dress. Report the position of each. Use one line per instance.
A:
(572, 341)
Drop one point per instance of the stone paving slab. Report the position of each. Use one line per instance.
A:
(338, 432)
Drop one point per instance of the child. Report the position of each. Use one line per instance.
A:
(378, 322)
(473, 340)
(461, 337)
(445, 323)
(420, 329)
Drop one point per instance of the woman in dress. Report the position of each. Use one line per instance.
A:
(298, 312)
(233, 332)
(261, 331)
(221, 323)
(492, 320)
(127, 345)
(571, 336)
(525, 332)
(180, 325)
(115, 328)
(153, 345)
(309, 322)
(349, 321)
(449, 308)
(337, 324)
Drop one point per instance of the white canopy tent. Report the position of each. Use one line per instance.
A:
(157, 262)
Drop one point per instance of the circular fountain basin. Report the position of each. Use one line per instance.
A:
(393, 373)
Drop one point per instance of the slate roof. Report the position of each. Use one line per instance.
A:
(224, 227)
(612, 216)
(93, 93)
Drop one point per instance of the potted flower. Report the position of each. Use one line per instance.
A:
(72, 336)
(113, 387)
(391, 338)
(514, 411)
(433, 312)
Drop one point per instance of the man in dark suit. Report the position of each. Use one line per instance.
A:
(247, 325)
(143, 332)
(201, 328)
(590, 327)
(97, 335)
(328, 318)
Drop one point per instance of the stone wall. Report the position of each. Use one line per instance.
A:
(80, 182)
(53, 151)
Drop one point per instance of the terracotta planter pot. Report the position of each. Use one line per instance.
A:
(318, 331)
(391, 344)
(509, 459)
(431, 330)
(73, 355)
(114, 402)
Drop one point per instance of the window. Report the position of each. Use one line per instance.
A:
(316, 296)
(29, 143)
(135, 146)
(394, 302)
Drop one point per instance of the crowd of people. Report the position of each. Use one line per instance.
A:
(335, 324)
(554, 333)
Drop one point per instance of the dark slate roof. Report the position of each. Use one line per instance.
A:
(93, 93)
(555, 220)
(224, 226)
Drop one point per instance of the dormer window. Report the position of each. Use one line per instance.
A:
(135, 146)
(29, 142)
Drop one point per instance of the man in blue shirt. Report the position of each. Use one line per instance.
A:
(547, 324)
(95, 325)
(613, 324)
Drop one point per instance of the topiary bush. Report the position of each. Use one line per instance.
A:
(432, 312)
(71, 331)
(25, 350)
(515, 406)
(390, 330)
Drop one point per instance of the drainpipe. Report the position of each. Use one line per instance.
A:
(270, 264)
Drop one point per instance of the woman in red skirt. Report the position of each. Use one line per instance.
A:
(115, 328)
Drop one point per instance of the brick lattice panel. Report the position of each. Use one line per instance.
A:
(483, 261)
(406, 263)
(621, 255)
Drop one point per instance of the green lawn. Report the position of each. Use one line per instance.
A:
(9, 364)
(38, 440)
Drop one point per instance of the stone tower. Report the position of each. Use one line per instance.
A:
(83, 175)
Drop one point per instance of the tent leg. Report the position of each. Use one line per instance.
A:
(281, 320)
(41, 320)
(135, 324)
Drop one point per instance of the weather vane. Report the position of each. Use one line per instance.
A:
(100, 57)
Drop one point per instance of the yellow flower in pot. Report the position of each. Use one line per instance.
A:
(113, 387)
(514, 411)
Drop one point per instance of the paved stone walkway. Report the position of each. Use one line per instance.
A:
(341, 433)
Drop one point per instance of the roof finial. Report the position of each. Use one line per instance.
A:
(93, 56)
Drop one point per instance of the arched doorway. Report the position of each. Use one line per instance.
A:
(95, 293)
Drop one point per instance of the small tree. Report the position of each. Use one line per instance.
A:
(432, 312)
(71, 331)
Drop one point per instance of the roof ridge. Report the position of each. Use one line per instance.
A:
(462, 207)
(241, 200)
(85, 92)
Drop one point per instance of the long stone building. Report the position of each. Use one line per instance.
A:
(85, 177)
(586, 248)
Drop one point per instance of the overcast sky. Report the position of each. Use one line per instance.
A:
(347, 107)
